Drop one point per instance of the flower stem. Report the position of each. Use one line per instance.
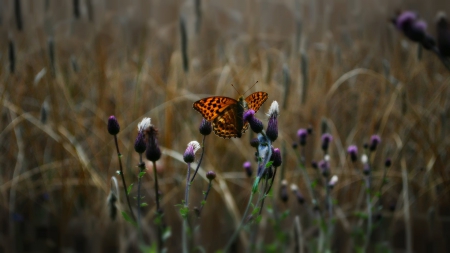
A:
(158, 208)
(141, 169)
(186, 205)
(201, 158)
(123, 177)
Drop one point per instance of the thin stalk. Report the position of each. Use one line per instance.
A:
(369, 213)
(201, 158)
(268, 190)
(123, 178)
(141, 169)
(330, 214)
(186, 205)
(244, 216)
(158, 209)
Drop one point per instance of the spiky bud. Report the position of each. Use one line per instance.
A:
(353, 153)
(272, 125)
(374, 141)
(205, 127)
(210, 175)
(248, 168)
(113, 125)
(302, 134)
(326, 139)
(189, 154)
(276, 157)
(255, 124)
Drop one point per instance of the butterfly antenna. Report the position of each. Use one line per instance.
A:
(251, 87)
(236, 90)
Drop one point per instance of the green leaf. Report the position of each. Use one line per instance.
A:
(128, 219)
(129, 188)
(361, 215)
(141, 174)
(285, 214)
(167, 234)
(144, 204)
(184, 211)
(203, 202)
(269, 164)
(313, 184)
(148, 249)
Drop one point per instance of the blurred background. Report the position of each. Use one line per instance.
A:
(336, 66)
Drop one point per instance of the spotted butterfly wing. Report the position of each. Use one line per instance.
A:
(226, 114)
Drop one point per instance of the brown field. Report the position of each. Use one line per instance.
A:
(338, 66)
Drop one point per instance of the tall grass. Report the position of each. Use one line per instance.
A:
(131, 59)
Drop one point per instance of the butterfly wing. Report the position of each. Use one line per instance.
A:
(211, 107)
(228, 124)
(256, 100)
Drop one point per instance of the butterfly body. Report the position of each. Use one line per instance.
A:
(226, 114)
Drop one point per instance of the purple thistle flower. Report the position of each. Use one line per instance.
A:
(388, 163)
(113, 125)
(353, 152)
(189, 154)
(276, 157)
(248, 168)
(272, 126)
(443, 34)
(211, 175)
(254, 142)
(326, 139)
(374, 141)
(333, 181)
(284, 191)
(139, 143)
(302, 134)
(404, 19)
(366, 169)
(153, 152)
(298, 194)
(205, 127)
(324, 168)
(255, 124)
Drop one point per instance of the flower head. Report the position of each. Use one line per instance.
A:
(326, 139)
(254, 142)
(189, 154)
(324, 168)
(255, 123)
(211, 175)
(205, 127)
(113, 125)
(272, 126)
(139, 143)
(298, 194)
(353, 152)
(144, 124)
(276, 157)
(302, 134)
(284, 191)
(443, 34)
(388, 163)
(374, 141)
(248, 168)
(153, 152)
(333, 181)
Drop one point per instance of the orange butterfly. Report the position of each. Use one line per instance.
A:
(226, 114)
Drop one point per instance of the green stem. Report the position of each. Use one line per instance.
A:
(123, 178)
(244, 217)
(158, 208)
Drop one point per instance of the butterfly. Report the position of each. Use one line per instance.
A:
(226, 114)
